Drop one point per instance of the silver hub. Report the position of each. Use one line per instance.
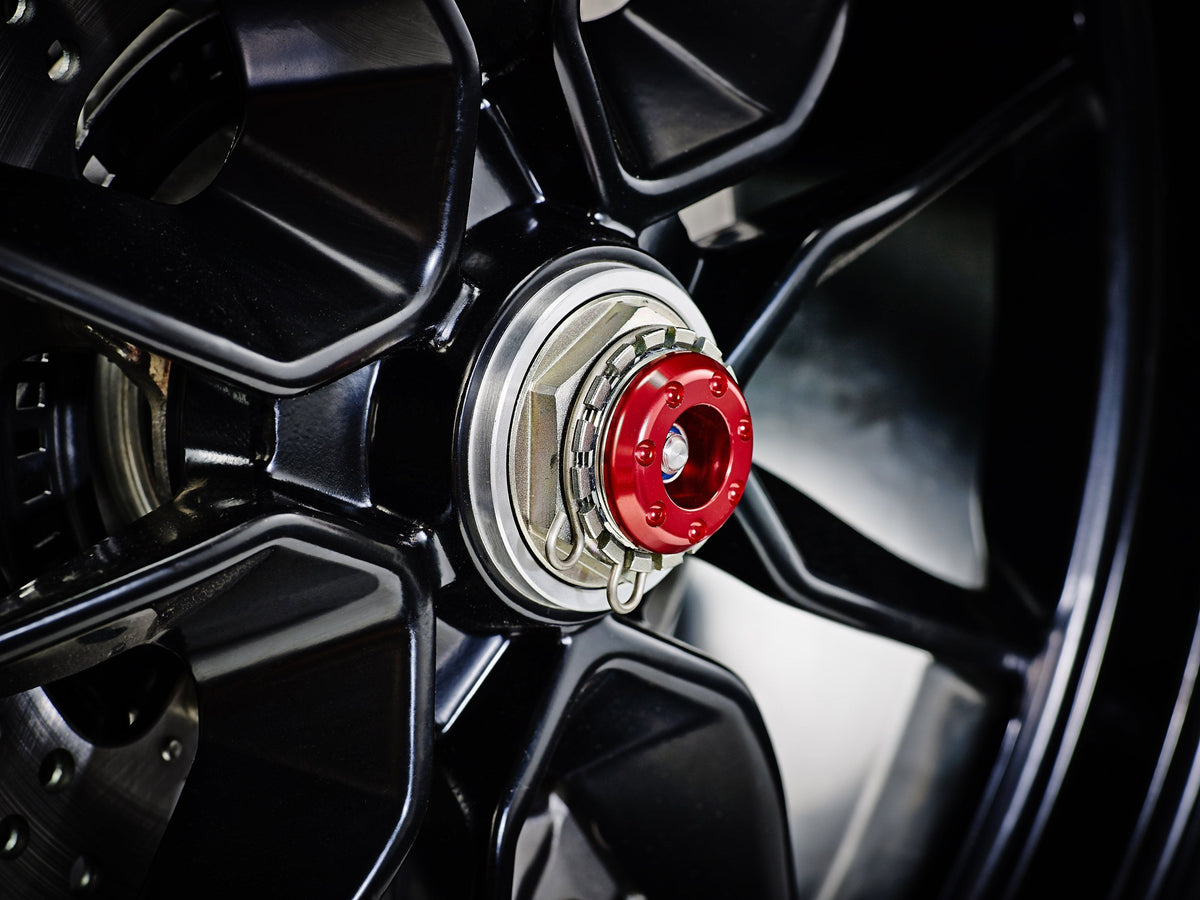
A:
(526, 398)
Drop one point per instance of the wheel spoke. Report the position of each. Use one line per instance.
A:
(658, 94)
(123, 591)
(608, 705)
(666, 711)
(154, 576)
(827, 243)
(805, 556)
(647, 109)
(325, 704)
(311, 648)
(368, 236)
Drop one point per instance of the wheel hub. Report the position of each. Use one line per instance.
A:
(604, 438)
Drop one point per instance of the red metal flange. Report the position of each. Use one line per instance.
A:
(689, 405)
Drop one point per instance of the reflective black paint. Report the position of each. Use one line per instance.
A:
(321, 258)
(688, 127)
(622, 723)
(311, 646)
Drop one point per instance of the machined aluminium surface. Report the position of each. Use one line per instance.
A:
(562, 347)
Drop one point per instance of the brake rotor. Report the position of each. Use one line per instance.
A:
(94, 765)
(77, 815)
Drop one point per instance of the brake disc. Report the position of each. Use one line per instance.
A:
(98, 759)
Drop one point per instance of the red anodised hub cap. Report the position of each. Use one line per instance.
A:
(660, 510)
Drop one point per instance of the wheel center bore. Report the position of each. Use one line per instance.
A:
(625, 441)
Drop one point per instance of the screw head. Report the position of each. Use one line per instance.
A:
(656, 515)
(674, 394)
(674, 453)
(644, 453)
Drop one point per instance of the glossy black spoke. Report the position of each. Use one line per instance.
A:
(802, 554)
(827, 242)
(648, 108)
(670, 101)
(315, 689)
(311, 650)
(333, 222)
(617, 726)
(128, 588)
(149, 578)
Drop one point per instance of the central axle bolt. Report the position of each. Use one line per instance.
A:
(694, 420)
(675, 453)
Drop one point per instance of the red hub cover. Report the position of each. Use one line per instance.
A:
(692, 401)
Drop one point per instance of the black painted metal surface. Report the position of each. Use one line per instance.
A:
(322, 258)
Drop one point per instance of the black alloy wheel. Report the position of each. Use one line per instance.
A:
(250, 255)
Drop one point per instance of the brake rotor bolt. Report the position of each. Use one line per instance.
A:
(718, 384)
(745, 430)
(696, 531)
(656, 515)
(735, 492)
(644, 453)
(172, 749)
(674, 392)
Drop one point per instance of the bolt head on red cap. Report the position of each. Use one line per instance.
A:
(697, 396)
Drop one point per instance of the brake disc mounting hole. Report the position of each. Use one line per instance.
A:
(57, 770)
(62, 61)
(84, 876)
(14, 835)
(17, 12)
